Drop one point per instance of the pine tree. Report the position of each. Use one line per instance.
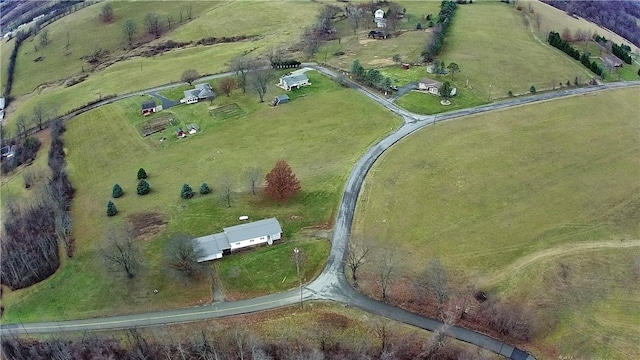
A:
(142, 174)
(282, 183)
(186, 192)
(143, 187)
(532, 89)
(111, 208)
(117, 191)
(204, 189)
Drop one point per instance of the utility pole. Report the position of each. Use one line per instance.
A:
(296, 252)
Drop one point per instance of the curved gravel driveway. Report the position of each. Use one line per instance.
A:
(331, 284)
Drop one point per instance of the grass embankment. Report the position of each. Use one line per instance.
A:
(509, 60)
(105, 147)
(504, 199)
(78, 25)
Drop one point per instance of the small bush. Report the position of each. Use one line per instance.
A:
(510, 93)
(186, 192)
(142, 174)
(28, 178)
(532, 89)
(143, 187)
(117, 191)
(111, 208)
(418, 26)
(204, 189)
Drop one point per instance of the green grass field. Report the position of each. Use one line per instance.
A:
(507, 60)
(504, 198)
(421, 103)
(105, 147)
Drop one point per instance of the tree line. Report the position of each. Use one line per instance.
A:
(554, 40)
(315, 341)
(436, 41)
(618, 16)
(32, 232)
(371, 77)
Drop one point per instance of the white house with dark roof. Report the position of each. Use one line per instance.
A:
(214, 246)
(201, 92)
(433, 87)
(293, 81)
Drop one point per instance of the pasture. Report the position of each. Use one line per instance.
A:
(106, 36)
(504, 199)
(105, 147)
(510, 60)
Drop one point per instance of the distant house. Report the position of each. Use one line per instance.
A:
(280, 99)
(200, 92)
(148, 107)
(241, 236)
(1, 108)
(293, 81)
(611, 60)
(378, 17)
(433, 87)
(9, 151)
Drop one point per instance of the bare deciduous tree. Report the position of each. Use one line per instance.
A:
(129, 28)
(356, 254)
(44, 37)
(311, 42)
(260, 77)
(154, 24)
(190, 75)
(39, 116)
(227, 85)
(355, 16)
(21, 126)
(436, 282)
(225, 185)
(106, 12)
(385, 271)
(182, 257)
(254, 175)
(120, 252)
(241, 66)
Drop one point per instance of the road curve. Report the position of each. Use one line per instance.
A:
(331, 284)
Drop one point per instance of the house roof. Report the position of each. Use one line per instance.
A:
(211, 246)
(294, 79)
(149, 104)
(1, 103)
(201, 91)
(430, 82)
(612, 60)
(252, 230)
(282, 97)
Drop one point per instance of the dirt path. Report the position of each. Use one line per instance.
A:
(556, 252)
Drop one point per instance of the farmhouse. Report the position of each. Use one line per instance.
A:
(201, 92)
(293, 81)
(433, 87)
(214, 246)
(1, 108)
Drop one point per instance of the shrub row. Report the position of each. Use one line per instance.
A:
(20, 37)
(436, 41)
(214, 40)
(285, 64)
(554, 40)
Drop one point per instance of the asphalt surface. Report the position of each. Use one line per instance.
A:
(331, 284)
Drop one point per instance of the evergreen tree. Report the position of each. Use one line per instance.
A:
(186, 192)
(532, 89)
(143, 187)
(117, 191)
(204, 189)
(111, 208)
(142, 174)
(357, 70)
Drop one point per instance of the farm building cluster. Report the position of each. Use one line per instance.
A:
(237, 237)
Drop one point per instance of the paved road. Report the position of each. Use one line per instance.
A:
(331, 284)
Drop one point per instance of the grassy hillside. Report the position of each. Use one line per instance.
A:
(107, 36)
(505, 198)
(105, 147)
(507, 59)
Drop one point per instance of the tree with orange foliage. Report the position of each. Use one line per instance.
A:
(282, 183)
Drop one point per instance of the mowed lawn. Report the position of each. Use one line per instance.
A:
(320, 134)
(492, 46)
(505, 198)
(79, 25)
